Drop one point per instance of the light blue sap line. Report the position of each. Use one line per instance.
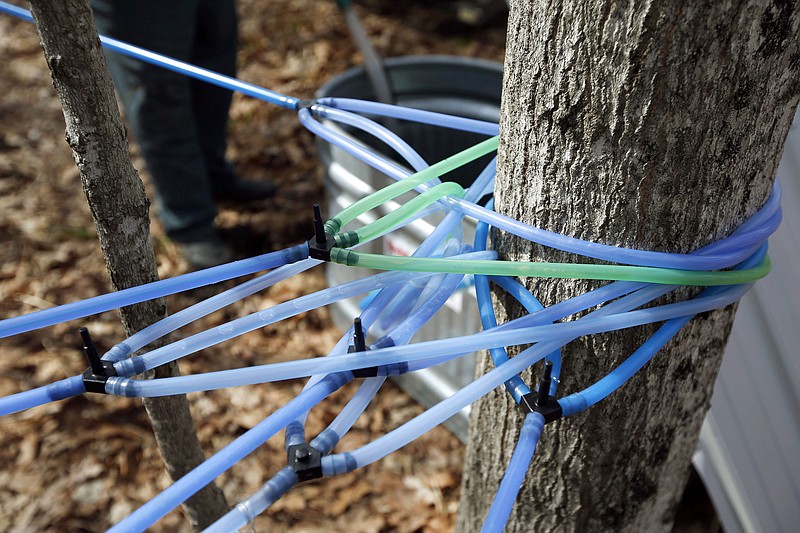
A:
(150, 291)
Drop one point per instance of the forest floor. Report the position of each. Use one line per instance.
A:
(86, 463)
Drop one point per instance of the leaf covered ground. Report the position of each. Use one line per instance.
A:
(85, 463)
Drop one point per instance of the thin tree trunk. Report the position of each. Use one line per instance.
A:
(119, 206)
(653, 125)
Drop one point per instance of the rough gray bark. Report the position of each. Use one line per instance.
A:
(119, 207)
(653, 125)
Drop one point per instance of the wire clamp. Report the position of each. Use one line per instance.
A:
(360, 345)
(320, 246)
(95, 377)
(541, 402)
(306, 461)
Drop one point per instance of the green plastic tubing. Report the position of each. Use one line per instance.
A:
(663, 276)
(396, 217)
(394, 190)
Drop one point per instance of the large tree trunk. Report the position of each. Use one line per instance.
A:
(653, 125)
(119, 206)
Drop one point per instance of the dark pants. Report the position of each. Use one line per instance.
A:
(179, 123)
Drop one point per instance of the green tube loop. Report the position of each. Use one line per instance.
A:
(662, 276)
(394, 190)
(396, 217)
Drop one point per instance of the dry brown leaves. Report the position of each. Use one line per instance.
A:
(85, 463)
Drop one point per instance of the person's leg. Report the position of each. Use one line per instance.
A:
(215, 49)
(159, 107)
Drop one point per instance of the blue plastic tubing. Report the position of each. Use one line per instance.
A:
(209, 76)
(381, 447)
(139, 364)
(728, 255)
(415, 115)
(203, 474)
(60, 390)
(378, 131)
(433, 350)
(383, 301)
(244, 512)
(247, 510)
(515, 386)
(515, 474)
(190, 314)
(124, 386)
(149, 291)
(353, 409)
(588, 397)
(721, 254)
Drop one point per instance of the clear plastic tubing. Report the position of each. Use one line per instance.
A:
(126, 386)
(392, 441)
(355, 407)
(240, 326)
(553, 270)
(381, 133)
(149, 291)
(144, 337)
(247, 510)
(407, 328)
(413, 115)
(430, 350)
(391, 220)
(396, 189)
(187, 69)
(146, 515)
(358, 150)
(584, 399)
(468, 394)
(506, 495)
(60, 390)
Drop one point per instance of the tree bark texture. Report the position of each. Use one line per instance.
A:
(654, 125)
(116, 197)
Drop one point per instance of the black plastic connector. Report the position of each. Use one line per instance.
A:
(541, 402)
(360, 345)
(319, 247)
(305, 104)
(95, 377)
(306, 461)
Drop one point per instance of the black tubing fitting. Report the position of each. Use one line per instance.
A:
(541, 402)
(95, 377)
(306, 461)
(360, 345)
(319, 247)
